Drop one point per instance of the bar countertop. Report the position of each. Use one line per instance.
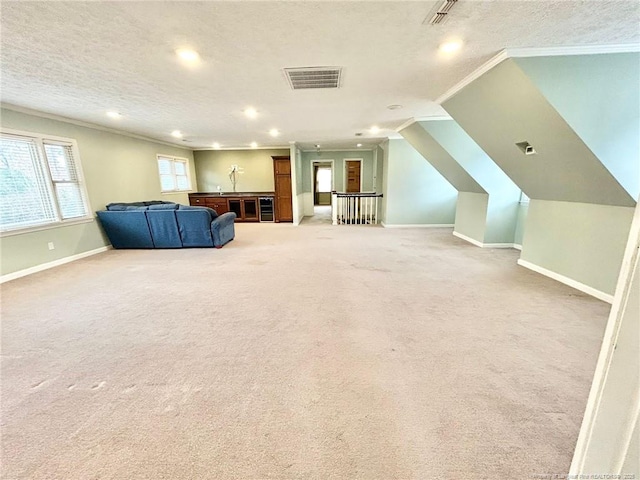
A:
(234, 194)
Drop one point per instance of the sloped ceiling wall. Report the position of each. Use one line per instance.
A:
(440, 159)
(470, 156)
(599, 97)
(504, 107)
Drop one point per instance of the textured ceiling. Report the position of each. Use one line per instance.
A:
(80, 59)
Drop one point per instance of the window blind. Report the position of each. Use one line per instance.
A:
(40, 182)
(174, 174)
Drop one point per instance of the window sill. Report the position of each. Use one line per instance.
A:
(48, 226)
(177, 192)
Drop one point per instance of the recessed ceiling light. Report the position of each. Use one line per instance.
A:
(375, 129)
(359, 145)
(274, 132)
(216, 145)
(254, 145)
(394, 107)
(176, 133)
(113, 114)
(450, 47)
(251, 112)
(188, 55)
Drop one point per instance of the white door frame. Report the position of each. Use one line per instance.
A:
(344, 172)
(313, 179)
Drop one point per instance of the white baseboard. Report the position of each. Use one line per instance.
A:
(605, 297)
(417, 225)
(485, 245)
(468, 239)
(517, 246)
(48, 265)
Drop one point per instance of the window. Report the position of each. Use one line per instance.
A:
(40, 182)
(174, 174)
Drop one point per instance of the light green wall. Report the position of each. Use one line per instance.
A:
(501, 211)
(414, 191)
(599, 97)
(212, 169)
(440, 159)
(471, 214)
(503, 107)
(379, 168)
(584, 242)
(523, 208)
(338, 158)
(116, 168)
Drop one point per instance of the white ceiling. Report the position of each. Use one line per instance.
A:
(80, 59)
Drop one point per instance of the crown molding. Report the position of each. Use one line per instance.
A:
(478, 72)
(94, 126)
(520, 52)
(572, 50)
(229, 149)
(333, 150)
(413, 120)
(405, 124)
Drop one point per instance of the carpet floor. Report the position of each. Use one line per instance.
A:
(311, 352)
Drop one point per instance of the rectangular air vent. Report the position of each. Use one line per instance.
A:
(441, 13)
(313, 77)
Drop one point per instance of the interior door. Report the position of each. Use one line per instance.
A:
(352, 168)
(282, 180)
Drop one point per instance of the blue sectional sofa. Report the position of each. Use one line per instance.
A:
(158, 224)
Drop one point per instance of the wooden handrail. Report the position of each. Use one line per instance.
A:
(357, 194)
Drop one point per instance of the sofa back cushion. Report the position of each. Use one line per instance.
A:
(163, 206)
(194, 226)
(126, 206)
(126, 229)
(164, 228)
(211, 211)
(122, 206)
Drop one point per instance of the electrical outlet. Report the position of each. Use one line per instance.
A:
(51, 246)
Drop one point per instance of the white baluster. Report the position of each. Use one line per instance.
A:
(376, 213)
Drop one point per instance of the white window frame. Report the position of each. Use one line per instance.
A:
(174, 159)
(40, 139)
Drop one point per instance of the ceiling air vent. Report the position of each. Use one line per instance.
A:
(313, 77)
(441, 13)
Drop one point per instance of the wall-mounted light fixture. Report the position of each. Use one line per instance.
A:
(526, 148)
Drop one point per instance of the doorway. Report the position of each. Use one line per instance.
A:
(322, 183)
(321, 186)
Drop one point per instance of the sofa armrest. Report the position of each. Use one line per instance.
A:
(223, 229)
